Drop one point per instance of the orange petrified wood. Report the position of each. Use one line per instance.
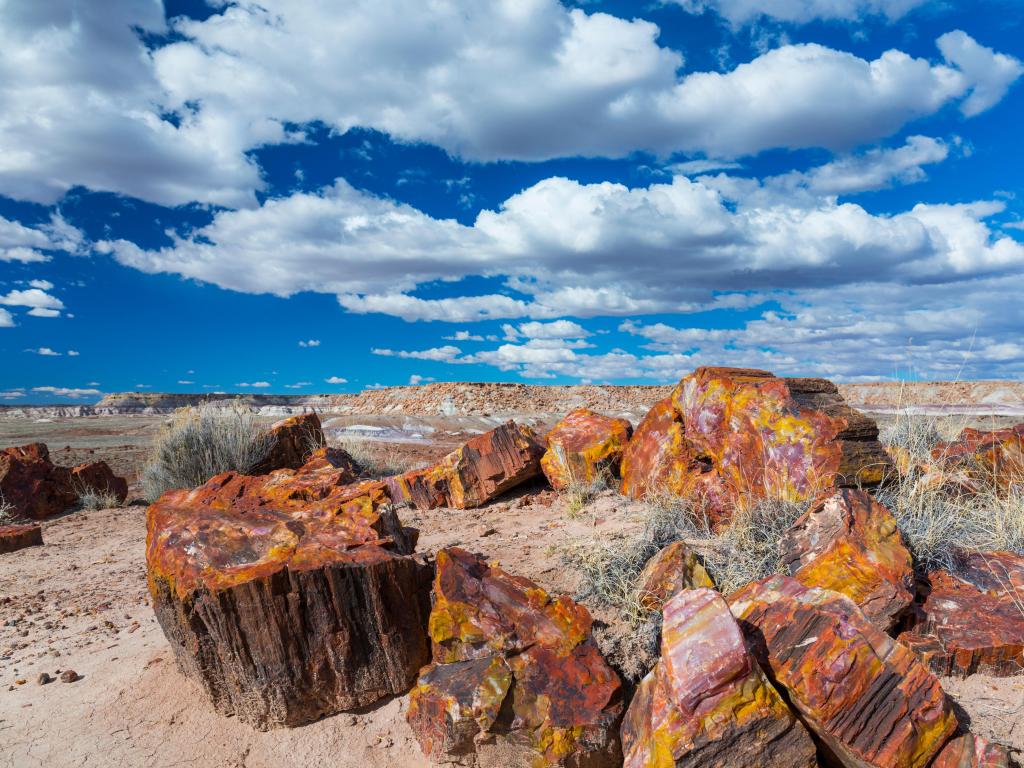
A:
(15, 537)
(583, 447)
(481, 470)
(992, 459)
(502, 644)
(970, 751)
(849, 543)
(728, 437)
(707, 704)
(288, 596)
(868, 699)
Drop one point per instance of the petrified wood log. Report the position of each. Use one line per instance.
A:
(516, 674)
(991, 458)
(728, 437)
(849, 543)
(583, 447)
(970, 751)
(98, 477)
(15, 537)
(963, 628)
(485, 467)
(32, 484)
(868, 699)
(292, 440)
(288, 597)
(668, 573)
(707, 702)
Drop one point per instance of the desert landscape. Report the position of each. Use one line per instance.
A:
(95, 669)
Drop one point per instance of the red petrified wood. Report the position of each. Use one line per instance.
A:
(731, 436)
(292, 440)
(288, 596)
(992, 459)
(971, 621)
(15, 537)
(98, 477)
(516, 678)
(481, 470)
(707, 702)
(869, 700)
(970, 751)
(668, 573)
(583, 447)
(32, 484)
(849, 543)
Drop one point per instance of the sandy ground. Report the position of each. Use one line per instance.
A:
(80, 602)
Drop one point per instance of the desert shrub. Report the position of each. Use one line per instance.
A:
(91, 499)
(915, 435)
(377, 460)
(201, 442)
(7, 515)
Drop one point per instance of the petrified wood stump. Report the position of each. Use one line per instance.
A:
(870, 701)
(485, 467)
(15, 537)
(849, 543)
(707, 704)
(728, 437)
(97, 476)
(583, 447)
(288, 598)
(991, 458)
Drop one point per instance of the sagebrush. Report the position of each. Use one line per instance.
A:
(202, 441)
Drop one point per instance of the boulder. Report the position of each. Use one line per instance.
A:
(98, 477)
(707, 702)
(292, 440)
(992, 458)
(668, 573)
(583, 447)
(997, 573)
(729, 437)
(15, 537)
(951, 639)
(868, 699)
(516, 678)
(970, 751)
(330, 459)
(32, 484)
(849, 543)
(290, 596)
(485, 467)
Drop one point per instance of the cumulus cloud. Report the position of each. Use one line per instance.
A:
(44, 352)
(310, 343)
(446, 353)
(256, 384)
(75, 393)
(87, 103)
(28, 244)
(6, 319)
(415, 380)
(298, 385)
(463, 336)
(336, 380)
(740, 12)
(558, 329)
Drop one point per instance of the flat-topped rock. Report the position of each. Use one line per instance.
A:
(583, 447)
(485, 467)
(288, 596)
(731, 436)
(707, 702)
(516, 677)
(849, 543)
(869, 700)
(963, 628)
(15, 537)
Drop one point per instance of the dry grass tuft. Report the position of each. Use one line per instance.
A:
(90, 499)
(938, 520)
(7, 515)
(201, 442)
(377, 460)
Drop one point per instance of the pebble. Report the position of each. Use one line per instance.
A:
(69, 676)
(44, 678)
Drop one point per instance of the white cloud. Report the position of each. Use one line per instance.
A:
(26, 244)
(41, 312)
(86, 103)
(415, 380)
(34, 298)
(69, 392)
(740, 12)
(43, 285)
(185, 381)
(256, 384)
(443, 354)
(310, 343)
(6, 319)
(698, 167)
(44, 351)
(463, 336)
(73, 353)
(558, 329)
(298, 385)
(336, 380)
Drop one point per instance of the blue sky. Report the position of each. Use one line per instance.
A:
(308, 196)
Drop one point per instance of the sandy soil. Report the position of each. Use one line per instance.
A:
(80, 602)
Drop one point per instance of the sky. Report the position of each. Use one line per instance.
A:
(311, 196)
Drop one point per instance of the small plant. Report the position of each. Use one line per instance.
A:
(91, 499)
(7, 514)
(579, 491)
(378, 460)
(201, 442)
